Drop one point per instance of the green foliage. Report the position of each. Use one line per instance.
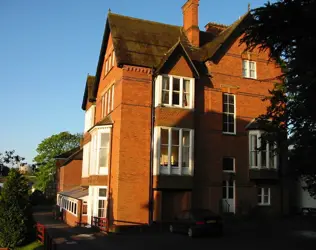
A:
(16, 223)
(286, 30)
(47, 150)
(8, 159)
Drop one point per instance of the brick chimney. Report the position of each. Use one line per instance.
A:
(190, 12)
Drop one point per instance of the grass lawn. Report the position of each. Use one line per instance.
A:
(34, 245)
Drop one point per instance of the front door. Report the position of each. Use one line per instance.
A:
(229, 196)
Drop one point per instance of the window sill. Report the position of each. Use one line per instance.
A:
(174, 107)
(250, 78)
(259, 168)
(229, 133)
(264, 205)
(229, 171)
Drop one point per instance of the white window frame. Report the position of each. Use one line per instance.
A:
(93, 201)
(94, 151)
(70, 205)
(158, 92)
(261, 193)
(86, 160)
(228, 113)
(246, 69)
(234, 165)
(171, 170)
(259, 133)
(89, 118)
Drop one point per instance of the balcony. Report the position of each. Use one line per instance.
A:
(173, 181)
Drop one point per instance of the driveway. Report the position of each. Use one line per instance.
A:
(286, 234)
(294, 233)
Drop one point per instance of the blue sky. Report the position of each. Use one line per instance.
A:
(47, 48)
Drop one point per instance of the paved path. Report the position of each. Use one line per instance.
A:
(288, 234)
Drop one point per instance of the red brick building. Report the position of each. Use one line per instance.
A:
(169, 122)
(71, 197)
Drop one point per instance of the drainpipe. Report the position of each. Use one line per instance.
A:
(109, 182)
(151, 193)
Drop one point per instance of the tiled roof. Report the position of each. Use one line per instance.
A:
(77, 192)
(145, 43)
(77, 155)
(88, 92)
(65, 155)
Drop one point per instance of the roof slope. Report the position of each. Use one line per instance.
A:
(88, 92)
(67, 154)
(146, 43)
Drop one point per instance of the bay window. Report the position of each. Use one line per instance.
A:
(174, 151)
(99, 151)
(263, 158)
(174, 91)
(89, 118)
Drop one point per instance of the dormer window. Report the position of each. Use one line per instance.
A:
(249, 69)
(263, 158)
(174, 91)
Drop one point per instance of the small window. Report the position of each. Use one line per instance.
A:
(102, 192)
(228, 164)
(84, 208)
(264, 196)
(249, 69)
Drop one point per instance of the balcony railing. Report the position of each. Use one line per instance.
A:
(101, 223)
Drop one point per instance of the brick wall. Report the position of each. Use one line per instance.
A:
(70, 175)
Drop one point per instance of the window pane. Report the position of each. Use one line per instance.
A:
(105, 138)
(185, 138)
(228, 164)
(231, 99)
(230, 193)
(253, 142)
(175, 136)
(165, 83)
(164, 156)
(254, 159)
(271, 156)
(266, 199)
(176, 98)
(101, 208)
(164, 136)
(186, 99)
(263, 154)
(231, 108)
(231, 128)
(102, 192)
(103, 157)
(185, 156)
(165, 97)
(176, 84)
(175, 156)
(165, 90)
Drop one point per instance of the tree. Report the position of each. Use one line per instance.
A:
(16, 223)
(8, 159)
(285, 29)
(47, 150)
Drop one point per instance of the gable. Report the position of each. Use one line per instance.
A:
(179, 67)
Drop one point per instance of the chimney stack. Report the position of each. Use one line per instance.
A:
(190, 12)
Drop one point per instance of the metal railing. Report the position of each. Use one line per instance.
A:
(101, 223)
